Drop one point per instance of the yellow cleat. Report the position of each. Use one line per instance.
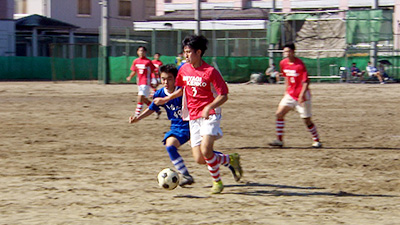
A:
(237, 168)
(217, 187)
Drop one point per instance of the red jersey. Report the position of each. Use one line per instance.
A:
(296, 74)
(143, 68)
(201, 86)
(157, 64)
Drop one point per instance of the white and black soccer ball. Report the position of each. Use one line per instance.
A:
(168, 179)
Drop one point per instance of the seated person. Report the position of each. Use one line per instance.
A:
(373, 72)
(355, 72)
(272, 74)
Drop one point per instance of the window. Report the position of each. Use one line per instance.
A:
(20, 7)
(124, 8)
(84, 7)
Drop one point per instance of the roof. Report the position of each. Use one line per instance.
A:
(217, 14)
(42, 22)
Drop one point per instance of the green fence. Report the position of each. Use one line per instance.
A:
(233, 69)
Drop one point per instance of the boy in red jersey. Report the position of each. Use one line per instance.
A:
(156, 74)
(297, 96)
(143, 67)
(204, 90)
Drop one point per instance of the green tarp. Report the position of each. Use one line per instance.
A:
(233, 69)
(368, 26)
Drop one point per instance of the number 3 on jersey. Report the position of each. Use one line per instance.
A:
(194, 91)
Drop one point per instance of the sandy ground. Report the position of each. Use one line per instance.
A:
(69, 156)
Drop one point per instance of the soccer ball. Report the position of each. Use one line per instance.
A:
(168, 179)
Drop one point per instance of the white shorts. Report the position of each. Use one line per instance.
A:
(154, 81)
(304, 110)
(201, 127)
(144, 90)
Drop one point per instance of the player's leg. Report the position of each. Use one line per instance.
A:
(172, 140)
(280, 125)
(213, 163)
(305, 113)
(139, 105)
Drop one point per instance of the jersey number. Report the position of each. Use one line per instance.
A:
(194, 91)
(292, 80)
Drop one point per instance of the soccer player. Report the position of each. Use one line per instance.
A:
(179, 133)
(143, 67)
(297, 96)
(155, 76)
(204, 91)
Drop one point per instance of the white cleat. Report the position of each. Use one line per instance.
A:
(317, 144)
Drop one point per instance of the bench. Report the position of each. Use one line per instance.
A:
(326, 77)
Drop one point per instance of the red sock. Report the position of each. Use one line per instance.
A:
(139, 107)
(280, 124)
(313, 130)
(213, 167)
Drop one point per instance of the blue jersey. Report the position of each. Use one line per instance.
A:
(173, 109)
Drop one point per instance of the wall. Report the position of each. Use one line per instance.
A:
(7, 37)
(6, 9)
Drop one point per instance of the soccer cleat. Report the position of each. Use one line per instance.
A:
(186, 180)
(217, 187)
(235, 166)
(158, 115)
(317, 144)
(276, 143)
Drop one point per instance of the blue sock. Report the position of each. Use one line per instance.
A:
(177, 159)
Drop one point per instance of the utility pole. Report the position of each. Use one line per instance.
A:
(197, 16)
(105, 41)
(271, 46)
(375, 5)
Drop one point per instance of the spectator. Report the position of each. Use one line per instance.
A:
(373, 72)
(355, 72)
(272, 74)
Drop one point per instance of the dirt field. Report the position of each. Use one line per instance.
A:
(69, 156)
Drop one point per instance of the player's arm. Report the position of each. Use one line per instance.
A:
(306, 84)
(132, 74)
(218, 101)
(146, 113)
(162, 101)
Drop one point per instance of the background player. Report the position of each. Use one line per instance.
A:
(155, 76)
(297, 96)
(204, 91)
(143, 67)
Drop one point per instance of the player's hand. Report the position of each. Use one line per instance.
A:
(133, 119)
(205, 113)
(160, 101)
(128, 78)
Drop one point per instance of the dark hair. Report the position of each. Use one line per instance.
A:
(290, 45)
(144, 48)
(196, 42)
(157, 54)
(169, 68)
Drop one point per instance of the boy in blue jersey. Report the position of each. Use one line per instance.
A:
(179, 133)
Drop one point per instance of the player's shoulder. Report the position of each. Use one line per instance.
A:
(159, 93)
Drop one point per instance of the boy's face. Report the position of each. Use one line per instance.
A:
(141, 52)
(156, 56)
(288, 53)
(167, 80)
(191, 55)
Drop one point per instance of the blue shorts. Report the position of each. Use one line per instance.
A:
(183, 136)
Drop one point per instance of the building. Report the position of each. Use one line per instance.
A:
(7, 28)
(85, 16)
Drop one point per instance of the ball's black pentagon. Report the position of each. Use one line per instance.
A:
(175, 179)
(164, 175)
(166, 186)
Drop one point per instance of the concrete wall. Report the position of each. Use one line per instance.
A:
(67, 11)
(6, 9)
(7, 38)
